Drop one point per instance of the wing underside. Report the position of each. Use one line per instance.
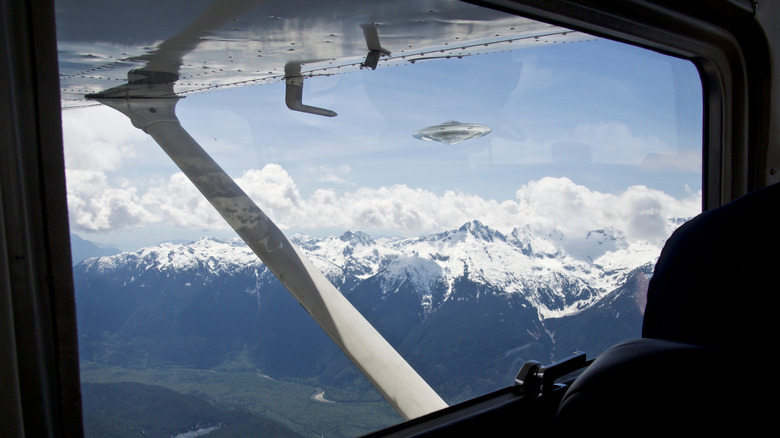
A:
(231, 43)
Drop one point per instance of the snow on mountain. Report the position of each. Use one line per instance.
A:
(209, 255)
(523, 262)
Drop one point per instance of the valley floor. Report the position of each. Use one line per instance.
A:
(235, 385)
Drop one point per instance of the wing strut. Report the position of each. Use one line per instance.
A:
(393, 377)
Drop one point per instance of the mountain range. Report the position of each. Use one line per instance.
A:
(466, 307)
(81, 249)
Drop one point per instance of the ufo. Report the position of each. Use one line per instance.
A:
(452, 132)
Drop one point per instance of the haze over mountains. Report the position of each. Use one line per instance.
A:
(81, 249)
(466, 307)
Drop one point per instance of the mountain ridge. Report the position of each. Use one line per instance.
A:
(522, 262)
(465, 307)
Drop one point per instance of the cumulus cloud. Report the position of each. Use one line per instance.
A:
(639, 212)
(96, 142)
(549, 204)
(102, 146)
(180, 204)
(95, 206)
(271, 187)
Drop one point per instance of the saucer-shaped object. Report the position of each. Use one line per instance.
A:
(452, 132)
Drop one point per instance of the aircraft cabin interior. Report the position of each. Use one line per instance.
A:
(700, 363)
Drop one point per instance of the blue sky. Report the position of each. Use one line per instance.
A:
(587, 134)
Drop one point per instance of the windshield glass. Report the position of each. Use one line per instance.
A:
(480, 210)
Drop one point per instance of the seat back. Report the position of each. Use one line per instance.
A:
(718, 277)
(707, 326)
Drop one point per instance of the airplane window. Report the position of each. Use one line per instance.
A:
(480, 210)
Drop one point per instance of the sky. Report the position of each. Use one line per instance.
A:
(585, 136)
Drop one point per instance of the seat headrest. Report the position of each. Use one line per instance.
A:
(717, 276)
(654, 385)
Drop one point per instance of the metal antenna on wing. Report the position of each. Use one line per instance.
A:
(375, 49)
(293, 96)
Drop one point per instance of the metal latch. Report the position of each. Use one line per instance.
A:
(535, 378)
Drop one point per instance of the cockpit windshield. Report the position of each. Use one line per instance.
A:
(488, 190)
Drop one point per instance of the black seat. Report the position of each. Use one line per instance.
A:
(716, 280)
(707, 337)
(651, 384)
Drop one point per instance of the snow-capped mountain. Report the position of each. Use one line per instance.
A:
(519, 263)
(429, 294)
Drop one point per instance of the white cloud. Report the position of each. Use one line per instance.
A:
(548, 204)
(95, 206)
(98, 138)
(272, 188)
(639, 212)
(180, 204)
(332, 174)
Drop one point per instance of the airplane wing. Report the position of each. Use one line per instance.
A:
(232, 43)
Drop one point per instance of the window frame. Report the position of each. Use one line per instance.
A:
(726, 41)
(729, 48)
